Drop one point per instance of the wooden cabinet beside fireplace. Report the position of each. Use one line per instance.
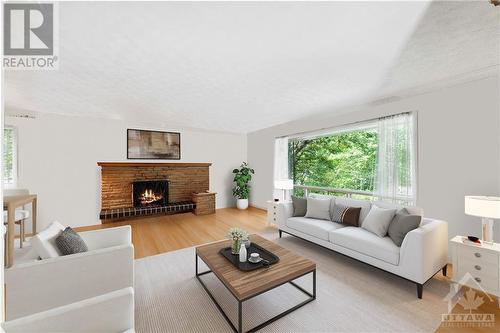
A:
(205, 203)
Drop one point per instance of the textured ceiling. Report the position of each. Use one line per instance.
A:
(453, 40)
(245, 66)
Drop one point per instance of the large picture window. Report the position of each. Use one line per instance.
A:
(374, 159)
(9, 156)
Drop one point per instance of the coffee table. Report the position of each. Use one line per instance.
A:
(246, 285)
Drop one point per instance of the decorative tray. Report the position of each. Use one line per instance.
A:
(268, 258)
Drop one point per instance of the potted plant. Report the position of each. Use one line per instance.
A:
(241, 189)
(237, 236)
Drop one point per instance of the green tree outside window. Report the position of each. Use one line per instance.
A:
(342, 161)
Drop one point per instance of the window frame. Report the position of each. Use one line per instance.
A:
(346, 128)
(15, 167)
(367, 125)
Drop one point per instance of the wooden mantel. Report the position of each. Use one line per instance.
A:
(151, 164)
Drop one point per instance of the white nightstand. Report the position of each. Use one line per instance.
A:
(272, 211)
(481, 262)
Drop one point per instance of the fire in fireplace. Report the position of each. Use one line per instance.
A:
(150, 193)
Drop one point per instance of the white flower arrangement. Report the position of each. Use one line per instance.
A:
(237, 234)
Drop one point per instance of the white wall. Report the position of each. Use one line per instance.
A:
(57, 158)
(458, 148)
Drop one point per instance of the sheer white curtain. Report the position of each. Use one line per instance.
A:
(395, 178)
(280, 163)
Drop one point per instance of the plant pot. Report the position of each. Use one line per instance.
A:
(242, 203)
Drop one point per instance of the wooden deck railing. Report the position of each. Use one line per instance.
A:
(349, 193)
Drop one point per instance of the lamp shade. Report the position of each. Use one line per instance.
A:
(283, 184)
(483, 206)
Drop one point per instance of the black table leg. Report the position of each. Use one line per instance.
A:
(314, 284)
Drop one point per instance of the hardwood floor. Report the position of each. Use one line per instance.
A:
(160, 234)
(155, 235)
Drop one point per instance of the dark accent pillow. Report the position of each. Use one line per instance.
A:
(401, 224)
(69, 242)
(299, 206)
(346, 215)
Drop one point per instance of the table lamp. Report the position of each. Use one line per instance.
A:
(283, 184)
(486, 207)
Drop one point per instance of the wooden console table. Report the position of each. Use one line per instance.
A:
(10, 203)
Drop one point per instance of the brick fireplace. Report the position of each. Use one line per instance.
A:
(159, 188)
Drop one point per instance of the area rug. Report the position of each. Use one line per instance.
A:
(351, 297)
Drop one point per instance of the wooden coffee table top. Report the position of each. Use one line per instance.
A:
(247, 284)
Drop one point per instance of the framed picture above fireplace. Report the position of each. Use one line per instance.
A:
(144, 144)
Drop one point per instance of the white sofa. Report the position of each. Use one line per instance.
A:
(112, 312)
(35, 285)
(422, 254)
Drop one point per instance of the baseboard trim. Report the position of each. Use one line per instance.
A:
(257, 207)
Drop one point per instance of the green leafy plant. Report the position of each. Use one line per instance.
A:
(242, 177)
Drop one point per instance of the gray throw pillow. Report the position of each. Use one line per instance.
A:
(318, 209)
(299, 206)
(401, 224)
(69, 242)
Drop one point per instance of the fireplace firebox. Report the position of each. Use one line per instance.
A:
(150, 193)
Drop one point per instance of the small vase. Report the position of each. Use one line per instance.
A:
(235, 247)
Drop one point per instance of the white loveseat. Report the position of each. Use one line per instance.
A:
(423, 253)
(35, 285)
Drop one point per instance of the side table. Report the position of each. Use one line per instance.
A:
(476, 266)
